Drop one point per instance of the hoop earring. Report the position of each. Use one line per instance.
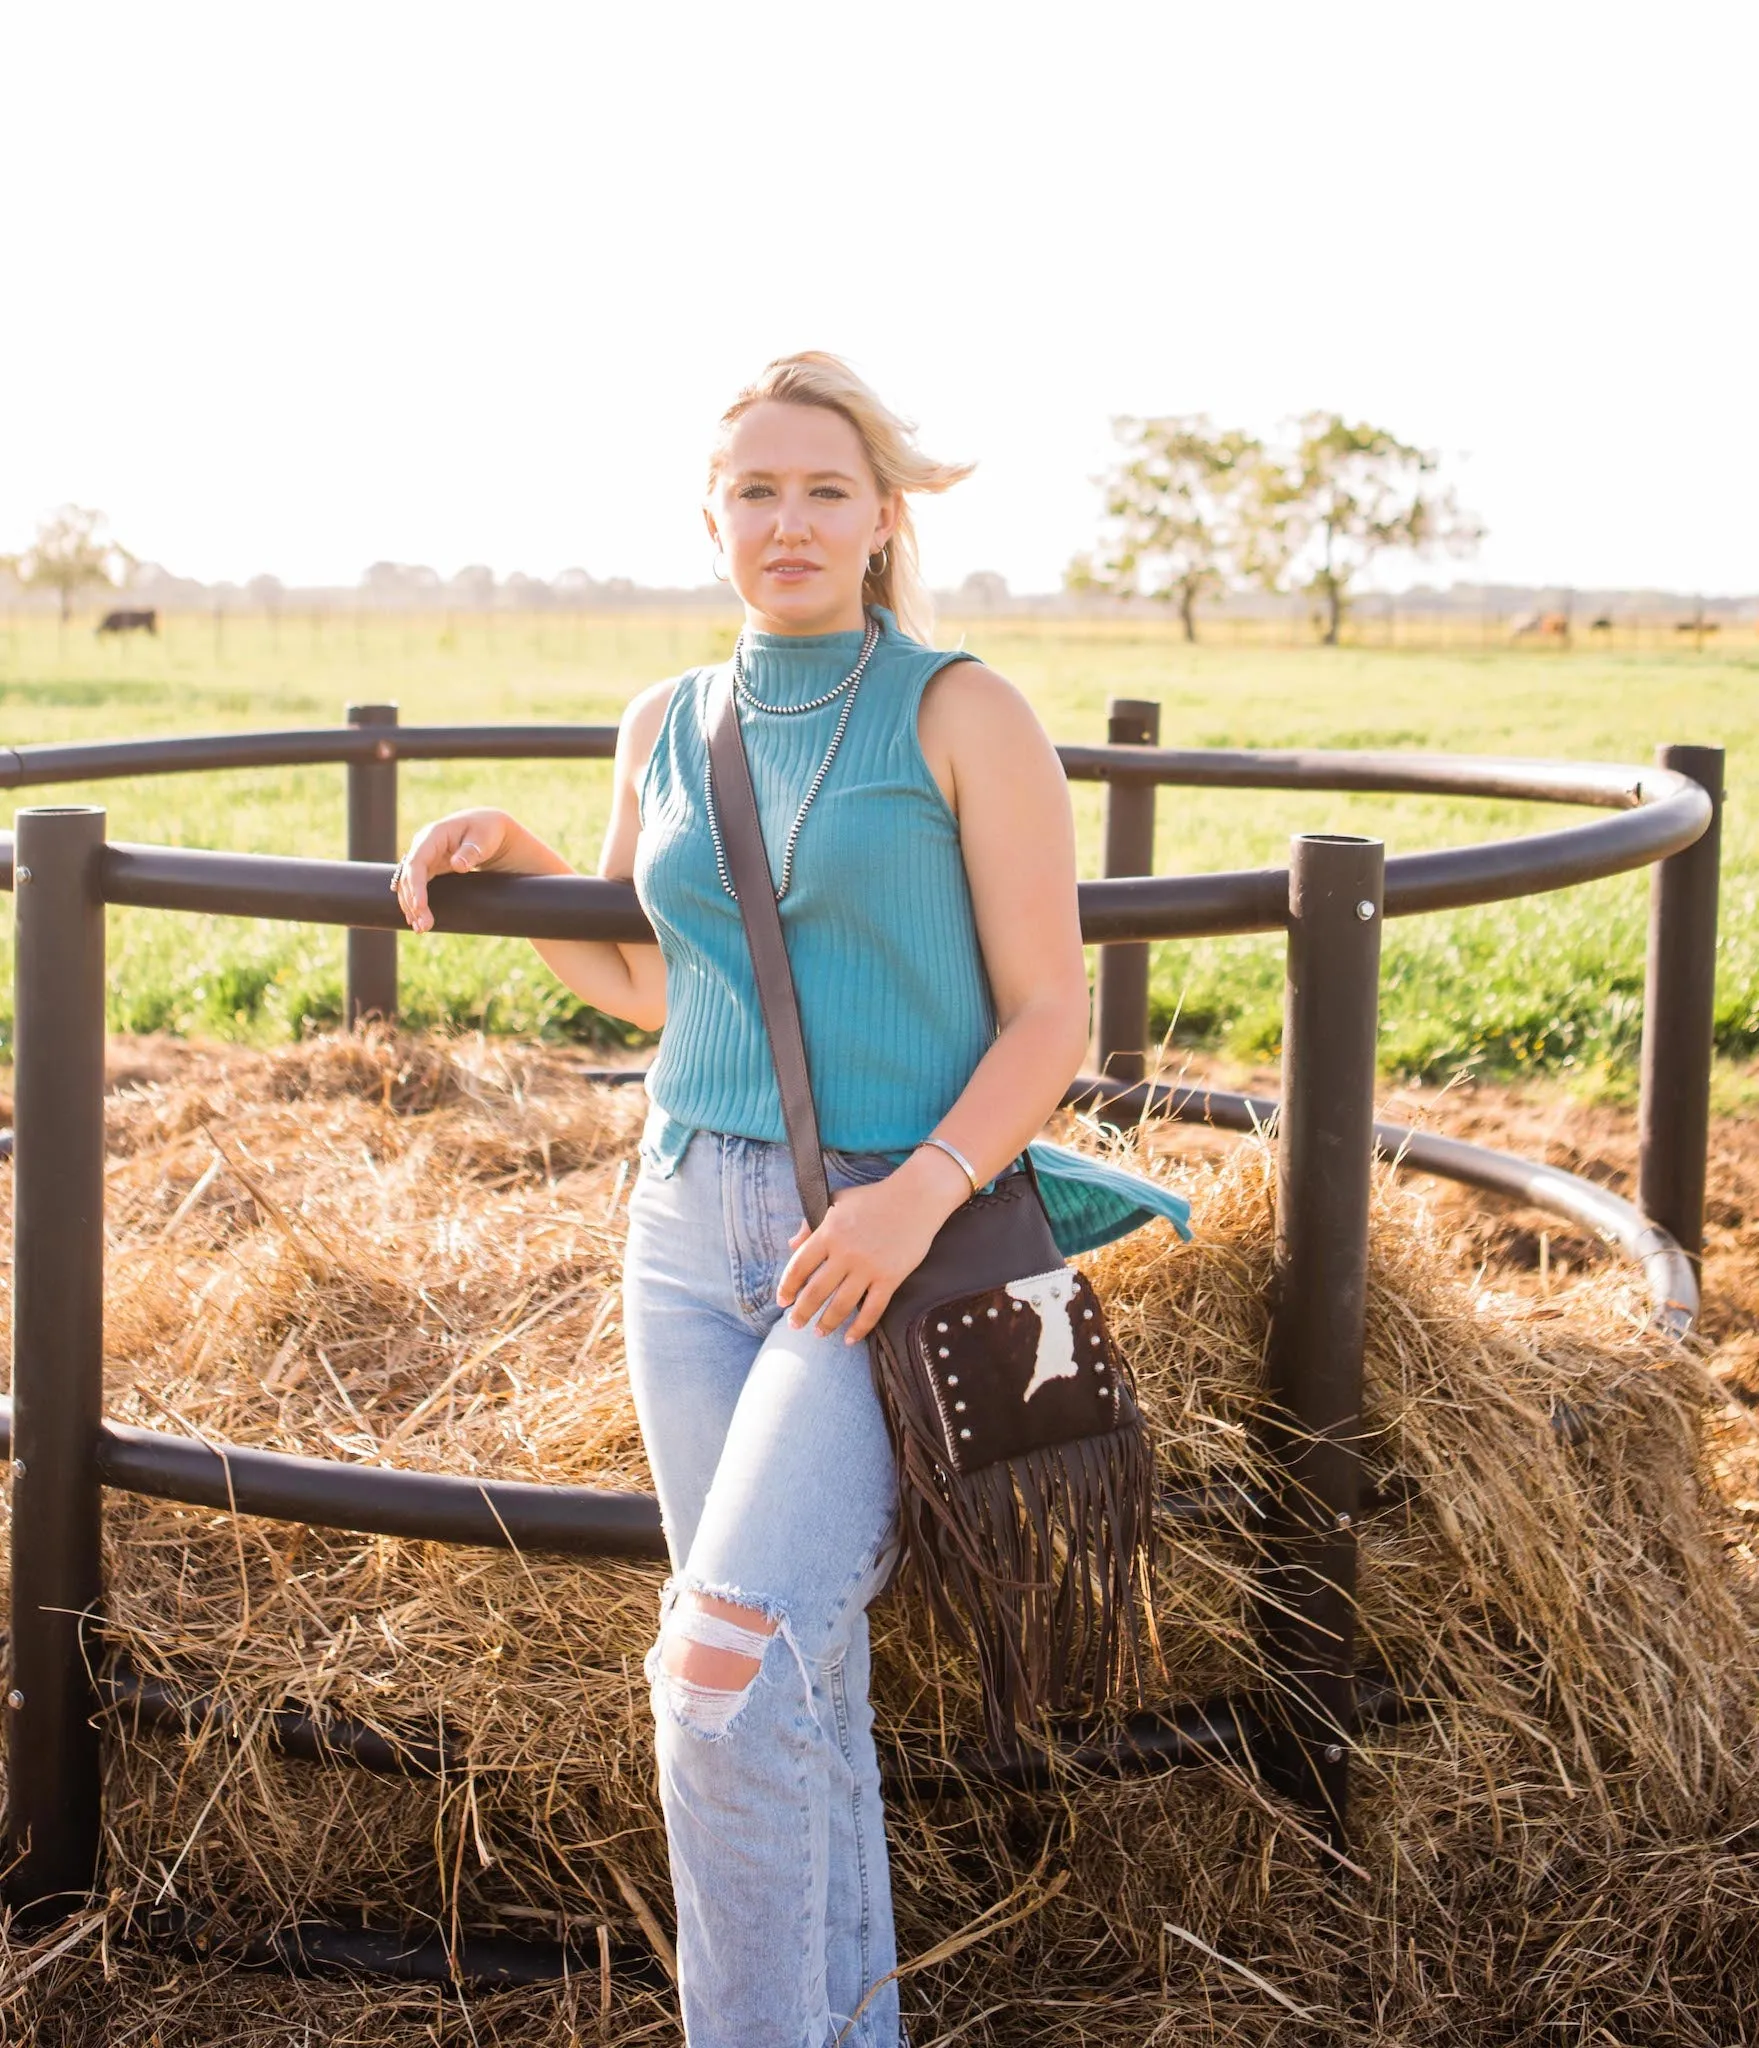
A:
(884, 558)
(720, 575)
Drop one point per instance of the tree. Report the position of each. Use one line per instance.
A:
(1177, 517)
(72, 548)
(1346, 494)
(576, 586)
(474, 587)
(528, 593)
(983, 590)
(400, 583)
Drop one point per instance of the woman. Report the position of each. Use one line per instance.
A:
(920, 833)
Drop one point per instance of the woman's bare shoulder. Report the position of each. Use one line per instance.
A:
(638, 730)
(976, 727)
(969, 704)
(645, 713)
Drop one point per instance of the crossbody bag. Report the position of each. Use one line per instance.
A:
(1025, 1474)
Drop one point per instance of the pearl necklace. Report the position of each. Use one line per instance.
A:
(846, 690)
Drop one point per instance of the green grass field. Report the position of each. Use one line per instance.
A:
(1551, 983)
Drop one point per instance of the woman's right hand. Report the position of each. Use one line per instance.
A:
(453, 845)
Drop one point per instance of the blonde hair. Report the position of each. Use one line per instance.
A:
(889, 443)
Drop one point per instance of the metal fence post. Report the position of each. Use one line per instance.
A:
(53, 1788)
(1679, 1012)
(371, 986)
(1121, 1031)
(1319, 1306)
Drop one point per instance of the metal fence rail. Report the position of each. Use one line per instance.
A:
(1330, 901)
(1670, 812)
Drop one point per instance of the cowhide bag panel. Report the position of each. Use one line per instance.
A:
(1017, 1367)
(993, 1319)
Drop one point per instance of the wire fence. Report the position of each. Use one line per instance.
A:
(215, 637)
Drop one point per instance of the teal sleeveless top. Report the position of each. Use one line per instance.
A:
(895, 1006)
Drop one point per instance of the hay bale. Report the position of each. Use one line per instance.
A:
(407, 1250)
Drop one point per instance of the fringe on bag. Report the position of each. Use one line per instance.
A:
(1032, 1560)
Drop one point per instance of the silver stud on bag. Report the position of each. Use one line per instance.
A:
(944, 1352)
(1018, 1306)
(964, 1432)
(952, 1379)
(1087, 1315)
(965, 1319)
(1093, 1340)
(958, 1407)
(943, 1330)
(994, 1311)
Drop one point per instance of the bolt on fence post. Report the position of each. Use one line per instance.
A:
(371, 985)
(1121, 1030)
(1319, 1308)
(53, 1814)
(1679, 1014)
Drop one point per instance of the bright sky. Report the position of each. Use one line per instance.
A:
(298, 288)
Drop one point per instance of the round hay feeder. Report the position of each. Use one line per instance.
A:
(413, 1745)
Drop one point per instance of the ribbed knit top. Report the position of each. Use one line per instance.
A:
(894, 1003)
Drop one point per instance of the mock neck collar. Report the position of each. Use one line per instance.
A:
(849, 639)
(792, 668)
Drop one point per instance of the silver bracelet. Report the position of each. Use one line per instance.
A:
(958, 1158)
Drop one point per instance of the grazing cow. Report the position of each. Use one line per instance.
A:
(1697, 626)
(129, 622)
(1543, 625)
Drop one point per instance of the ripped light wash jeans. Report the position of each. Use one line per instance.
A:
(778, 1492)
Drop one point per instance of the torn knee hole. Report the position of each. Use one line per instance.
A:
(714, 1642)
(710, 1651)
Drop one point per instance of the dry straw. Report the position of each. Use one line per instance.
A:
(407, 1251)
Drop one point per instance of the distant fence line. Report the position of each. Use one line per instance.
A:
(339, 628)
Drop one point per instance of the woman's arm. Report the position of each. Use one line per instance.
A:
(622, 979)
(1017, 831)
(997, 768)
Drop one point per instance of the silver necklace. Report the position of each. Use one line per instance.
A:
(743, 689)
(846, 690)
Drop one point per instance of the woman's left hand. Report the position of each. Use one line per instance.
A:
(873, 1235)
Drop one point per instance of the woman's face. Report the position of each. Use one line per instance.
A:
(796, 512)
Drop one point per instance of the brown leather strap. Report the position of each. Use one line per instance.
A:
(742, 830)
